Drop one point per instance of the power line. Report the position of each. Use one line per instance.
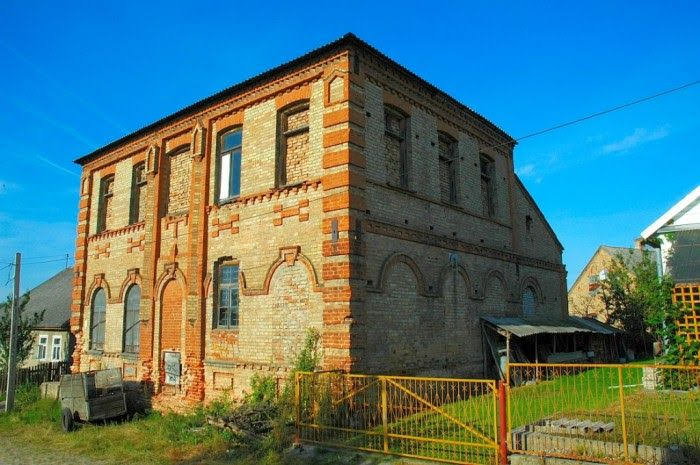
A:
(599, 113)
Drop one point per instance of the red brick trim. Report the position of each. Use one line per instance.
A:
(342, 136)
(344, 157)
(288, 256)
(344, 115)
(117, 232)
(132, 277)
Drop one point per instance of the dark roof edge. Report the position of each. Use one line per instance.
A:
(539, 212)
(348, 39)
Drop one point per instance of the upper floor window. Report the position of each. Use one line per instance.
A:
(41, 349)
(529, 301)
(137, 209)
(132, 320)
(487, 175)
(396, 146)
(447, 148)
(104, 208)
(293, 149)
(56, 349)
(227, 315)
(98, 318)
(229, 158)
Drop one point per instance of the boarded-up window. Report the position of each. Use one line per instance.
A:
(137, 209)
(98, 317)
(229, 160)
(293, 151)
(447, 159)
(104, 209)
(396, 149)
(486, 168)
(132, 326)
(177, 173)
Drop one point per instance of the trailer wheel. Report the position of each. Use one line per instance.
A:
(67, 420)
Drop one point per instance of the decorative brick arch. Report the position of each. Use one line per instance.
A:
(171, 272)
(495, 274)
(288, 256)
(98, 281)
(530, 281)
(472, 292)
(394, 260)
(132, 277)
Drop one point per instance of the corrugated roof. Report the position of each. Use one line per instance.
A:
(348, 39)
(54, 296)
(523, 327)
(595, 325)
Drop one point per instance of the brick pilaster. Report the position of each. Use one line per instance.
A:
(79, 281)
(343, 211)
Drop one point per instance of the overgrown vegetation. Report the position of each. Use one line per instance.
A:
(640, 302)
(157, 438)
(24, 331)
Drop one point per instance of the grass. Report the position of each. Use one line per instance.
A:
(154, 438)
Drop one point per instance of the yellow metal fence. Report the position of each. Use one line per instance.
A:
(605, 413)
(447, 420)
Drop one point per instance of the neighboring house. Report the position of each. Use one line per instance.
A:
(678, 234)
(339, 192)
(584, 295)
(52, 337)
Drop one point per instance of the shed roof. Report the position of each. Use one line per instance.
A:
(523, 327)
(53, 296)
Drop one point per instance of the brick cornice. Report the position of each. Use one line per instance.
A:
(399, 232)
(117, 232)
(268, 195)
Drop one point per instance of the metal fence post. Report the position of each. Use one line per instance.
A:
(622, 412)
(385, 419)
(503, 424)
(297, 407)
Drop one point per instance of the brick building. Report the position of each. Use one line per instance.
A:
(338, 191)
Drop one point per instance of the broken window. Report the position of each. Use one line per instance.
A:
(104, 208)
(132, 320)
(137, 208)
(447, 159)
(98, 317)
(293, 149)
(227, 313)
(396, 146)
(229, 161)
(486, 169)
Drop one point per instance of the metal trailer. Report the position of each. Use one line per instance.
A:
(91, 396)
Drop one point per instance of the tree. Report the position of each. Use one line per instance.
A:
(641, 303)
(25, 341)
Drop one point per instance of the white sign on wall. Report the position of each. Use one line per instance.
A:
(172, 367)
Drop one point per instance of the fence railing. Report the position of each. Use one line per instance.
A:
(36, 375)
(604, 413)
(447, 420)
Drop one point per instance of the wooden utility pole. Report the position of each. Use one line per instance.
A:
(14, 323)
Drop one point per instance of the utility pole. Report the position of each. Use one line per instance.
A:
(12, 356)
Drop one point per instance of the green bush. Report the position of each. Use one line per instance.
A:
(263, 389)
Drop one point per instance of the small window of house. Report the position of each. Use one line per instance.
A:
(230, 164)
(529, 301)
(137, 209)
(104, 209)
(395, 125)
(98, 316)
(41, 351)
(486, 169)
(293, 149)
(56, 349)
(227, 313)
(132, 320)
(447, 148)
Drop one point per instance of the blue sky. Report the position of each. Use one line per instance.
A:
(77, 75)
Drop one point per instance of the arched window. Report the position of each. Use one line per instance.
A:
(132, 321)
(447, 161)
(529, 301)
(229, 161)
(98, 314)
(293, 144)
(396, 141)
